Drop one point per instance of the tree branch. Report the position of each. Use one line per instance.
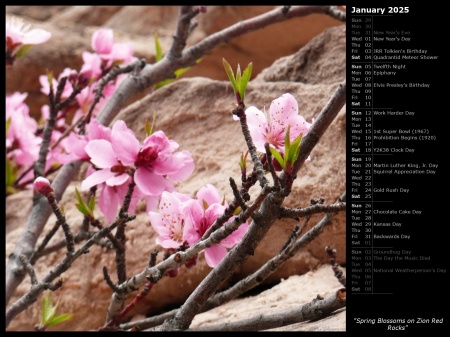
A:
(318, 308)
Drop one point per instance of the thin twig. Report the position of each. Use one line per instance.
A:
(294, 213)
(44, 242)
(62, 220)
(182, 32)
(335, 266)
(29, 269)
(276, 182)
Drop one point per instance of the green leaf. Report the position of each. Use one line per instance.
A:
(292, 151)
(278, 157)
(148, 128)
(238, 76)
(59, 319)
(82, 208)
(242, 162)
(7, 124)
(230, 74)
(244, 80)
(23, 49)
(287, 138)
(91, 204)
(181, 71)
(50, 79)
(11, 173)
(48, 310)
(295, 147)
(159, 54)
(78, 196)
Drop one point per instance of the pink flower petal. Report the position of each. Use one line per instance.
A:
(167, 243)
(102, 41)
(36, 36)
(209, 194)
(213, 212)
(98, 131)
(124, 143)
(164, 165)
(193, 210)
(282, 108)
(215, 254)
(117, 180)
(96, 178)
(101, 153)
(156, 220)
(232, 239)
(109, 202)
(148, 182)
(186, 168)
(159, 140)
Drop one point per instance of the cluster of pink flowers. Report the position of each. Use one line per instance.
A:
(118, 156)
(96, 65)
(182, 220)
(24, 136)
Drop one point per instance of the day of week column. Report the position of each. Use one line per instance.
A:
(361, 155)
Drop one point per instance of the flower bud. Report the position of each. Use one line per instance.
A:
(42, 186)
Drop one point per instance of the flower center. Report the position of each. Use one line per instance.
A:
(177, 229)
(119, 169)
(202, 226)
(275, 137)
(146, 157)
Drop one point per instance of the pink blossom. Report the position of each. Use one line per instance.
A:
(283, 111)
(73, 146)
(157, 163)
(169, 221)
(200, 214)
(19, 38)
(68, 89)
(103, 43)
(154, 163)
(14, 102)
(111, 170)
(91, 68)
